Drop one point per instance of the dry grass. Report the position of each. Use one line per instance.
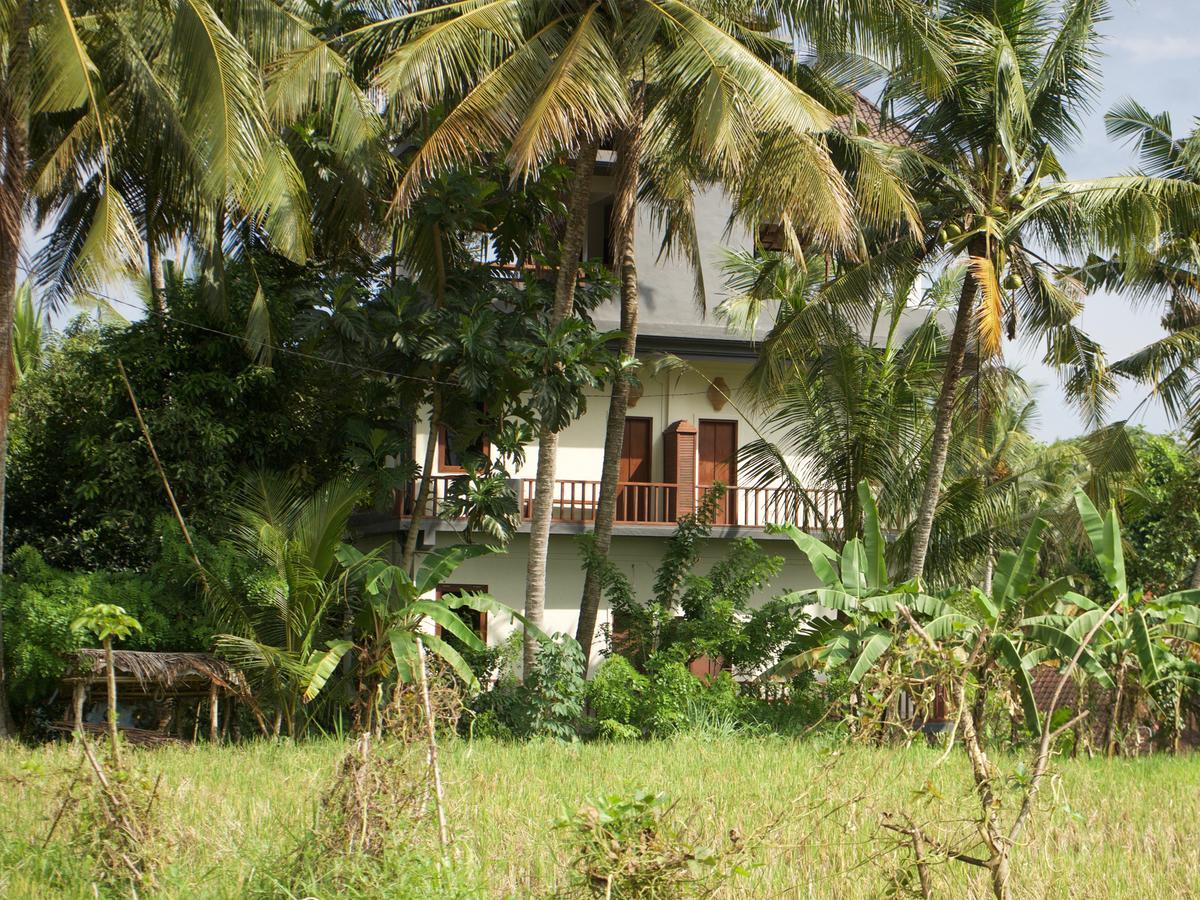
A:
(235, 816)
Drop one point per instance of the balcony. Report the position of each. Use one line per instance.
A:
(659, 504)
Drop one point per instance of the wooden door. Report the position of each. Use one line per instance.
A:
(717, 450)
(636, 457)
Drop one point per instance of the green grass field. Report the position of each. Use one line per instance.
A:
(232, 819)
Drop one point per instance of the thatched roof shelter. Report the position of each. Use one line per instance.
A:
(160, 673)
(154, 682)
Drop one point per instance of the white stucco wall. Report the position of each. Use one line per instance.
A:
(666, 398)
(638, 557)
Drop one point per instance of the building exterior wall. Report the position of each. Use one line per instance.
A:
(638, 557)
(666, 398)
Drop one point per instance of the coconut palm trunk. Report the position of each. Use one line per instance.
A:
(435, 420)
(158, 282)
(424, 485)
(543, 498)
(14, 110)
(943, 418)
(629, 155)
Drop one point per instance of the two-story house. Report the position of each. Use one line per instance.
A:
(682, 434)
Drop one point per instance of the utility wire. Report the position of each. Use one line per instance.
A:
(291, 351)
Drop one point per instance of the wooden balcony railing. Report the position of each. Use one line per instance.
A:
(656, 503)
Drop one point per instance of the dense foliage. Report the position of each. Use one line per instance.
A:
(82, 486)
(41, 602)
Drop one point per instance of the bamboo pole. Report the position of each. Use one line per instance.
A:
(435, 771)
(162, 473)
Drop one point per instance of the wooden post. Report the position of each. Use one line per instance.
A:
(679, 466)
(214, 716)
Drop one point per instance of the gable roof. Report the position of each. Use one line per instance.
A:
(669, 318)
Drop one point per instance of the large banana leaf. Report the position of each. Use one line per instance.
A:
(449, 620)
(873, 647)
(820, 555)
(854, 567)
(876, 562)
(1145, 647)
(1046, 596)
(486, 603)
(1006, 651)
(454, 658)
(439, 564)
(948, 624)
(1013, 570)
(1105, 536)
(830, 598)
(1065, 646)
(323, 666)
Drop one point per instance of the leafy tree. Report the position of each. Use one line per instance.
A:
(1160, 512)
(206, 154)
(212, 412)
(107, 621)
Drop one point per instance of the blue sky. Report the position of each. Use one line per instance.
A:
(1153, 55)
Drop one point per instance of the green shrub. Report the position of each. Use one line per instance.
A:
(40, 602)
(617, 691)
(612, 730)
(671, 689)
(549, 703)
(556, 688)
(722, 697)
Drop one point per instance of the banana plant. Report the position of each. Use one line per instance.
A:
(1142, 639)
(393, 611)
(861, 622)
(1015, 594)
(859, 606)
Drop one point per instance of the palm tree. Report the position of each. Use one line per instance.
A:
(1164, 273)
(995, 195)
(656, 161)
(562, 77)
(279, 623)
(74, 75)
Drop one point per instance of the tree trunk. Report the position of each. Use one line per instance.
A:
(629, 152)
(14, 122)
(543, 498)
(158, 282)
(943, 419)
(1195, 583)
(422, 498)
(111, 675)
(1111, 729)
(435, 419)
